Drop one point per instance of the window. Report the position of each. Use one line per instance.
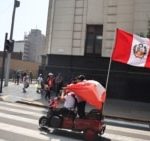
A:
(93, 43)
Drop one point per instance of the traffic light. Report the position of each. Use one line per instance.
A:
(9, 45)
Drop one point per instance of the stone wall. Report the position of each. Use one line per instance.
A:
(22, 66)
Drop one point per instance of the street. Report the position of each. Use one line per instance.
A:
(20, 122)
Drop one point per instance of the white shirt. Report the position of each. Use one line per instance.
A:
(69, 101)
(40, 80)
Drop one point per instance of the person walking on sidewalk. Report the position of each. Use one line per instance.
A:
(25, 82)
(49, 84)
(40, 84)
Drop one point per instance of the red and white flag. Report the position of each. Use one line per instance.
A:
(91, 91)
(131, 49)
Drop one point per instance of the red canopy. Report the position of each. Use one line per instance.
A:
(91, 91)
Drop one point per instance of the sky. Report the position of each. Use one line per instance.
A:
(32, 14)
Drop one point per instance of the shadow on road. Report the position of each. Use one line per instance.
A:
(75, 135)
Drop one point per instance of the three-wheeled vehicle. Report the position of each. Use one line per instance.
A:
(91, 126)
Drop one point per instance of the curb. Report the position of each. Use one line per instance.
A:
(33, 104)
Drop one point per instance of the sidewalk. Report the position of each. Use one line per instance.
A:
(129, 110)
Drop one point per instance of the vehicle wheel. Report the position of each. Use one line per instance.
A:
(90, 135)
(43, 121)
(103, 130)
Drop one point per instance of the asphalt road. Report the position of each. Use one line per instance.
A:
(19, 122)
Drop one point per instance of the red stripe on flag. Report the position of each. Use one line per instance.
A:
(147, 64)
(123, 44)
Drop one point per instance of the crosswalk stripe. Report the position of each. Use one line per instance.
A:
(36, 134)
(18, 118)
(128, 130)
(23, 131)
(23, 106)
(2, 140)
(121, 137)
(21, 111)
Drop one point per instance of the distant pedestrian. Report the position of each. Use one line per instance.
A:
(40, 84)
(25, 82)
(17, 78)
(30, 77)
(49, 85)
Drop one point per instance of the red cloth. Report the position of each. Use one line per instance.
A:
(131, 49)
(91, 91)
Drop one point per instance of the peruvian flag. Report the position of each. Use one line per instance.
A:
(131, 49)
(91, 91)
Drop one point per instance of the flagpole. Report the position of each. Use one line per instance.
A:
(108, 73)
(107, 79)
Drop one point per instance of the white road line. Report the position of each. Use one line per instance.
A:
(21, 111)
(3, 140)
(18, 118)
(23, 131)
(121, 137)
(23, 106)
(127, 123)
(128, 130)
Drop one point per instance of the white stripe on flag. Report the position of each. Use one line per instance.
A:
(136, 61)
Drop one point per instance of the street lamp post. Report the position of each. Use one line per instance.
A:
(7, 65)
(3, 63)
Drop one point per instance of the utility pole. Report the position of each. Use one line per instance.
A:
(3, 63)
(7, 65)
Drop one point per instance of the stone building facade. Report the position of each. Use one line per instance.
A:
(34, 44)
(80, 38)
(69, 21)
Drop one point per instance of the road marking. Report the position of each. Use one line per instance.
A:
(18, 118)
(23, 106)
(121, 137)
(127, 123)
(128, 130)
(23, 131)
(21, 111)
(3, 140)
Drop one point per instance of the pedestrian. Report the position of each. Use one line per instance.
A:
(49, 84)
(40, 84)
(58, 83)
(25, 82)
(17, 77)
(30, 77)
